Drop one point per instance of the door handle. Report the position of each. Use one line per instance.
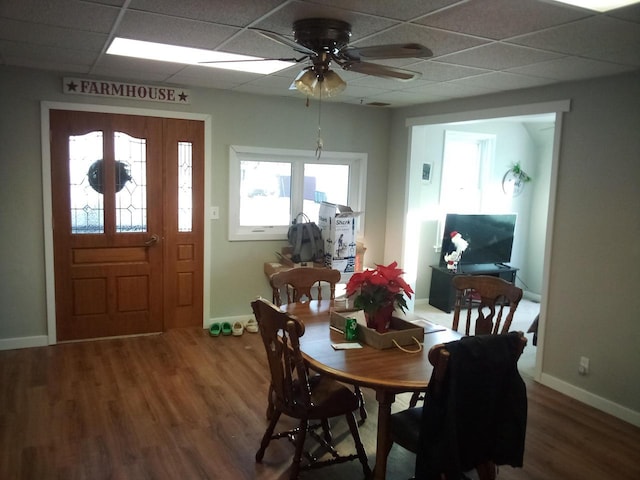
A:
(152, 240)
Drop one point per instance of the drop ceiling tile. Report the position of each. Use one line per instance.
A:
(58, 37)
(498, 81)
(631, 13)
(441, 72)
(124, 66)
(174, 31)
(403, 10)
(451, 89)
(498, 19)
(221, 75)
(405, 98)
(251, 43)
(71, 14)
(498, 56)
(571, 68)
(440, 42)
(281, 21)
(224, 12)
(602, 38)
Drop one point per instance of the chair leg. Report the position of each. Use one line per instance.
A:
(414, 399)
(486, 471)
(266, 438)
(297, 456)
(363, 410)
(362, 455)
(326, 428)
(270, 407)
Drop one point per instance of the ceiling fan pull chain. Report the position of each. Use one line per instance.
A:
(319, 140)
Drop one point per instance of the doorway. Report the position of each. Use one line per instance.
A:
(128, 219)
(421, 249)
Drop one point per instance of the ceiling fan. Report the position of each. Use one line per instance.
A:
(324, 41)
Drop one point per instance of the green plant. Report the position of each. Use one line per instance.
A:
(517, 170)
(379, 288)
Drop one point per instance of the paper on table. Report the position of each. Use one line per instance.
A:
(429, 327)
(345, 346)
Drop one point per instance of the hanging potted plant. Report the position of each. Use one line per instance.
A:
(378, 293)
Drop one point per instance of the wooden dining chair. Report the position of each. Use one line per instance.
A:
(484, 299)
(297, 284)
(302, 396)
(475, 412)
(487, 301)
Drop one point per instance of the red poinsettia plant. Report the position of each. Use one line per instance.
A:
(380, 288)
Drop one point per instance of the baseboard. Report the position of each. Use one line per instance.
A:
(238, 318)
(23, 342)
(602, 404)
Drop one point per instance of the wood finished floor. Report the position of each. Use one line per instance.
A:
(183, 405)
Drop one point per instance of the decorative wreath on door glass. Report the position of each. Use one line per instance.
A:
(95, 175)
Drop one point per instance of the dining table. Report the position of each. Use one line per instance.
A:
(387, 371)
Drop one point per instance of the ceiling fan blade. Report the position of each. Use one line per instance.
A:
(400, 50)
(276, 37)
(380, 70)
(247, 60)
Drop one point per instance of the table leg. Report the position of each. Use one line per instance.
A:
(385, 399)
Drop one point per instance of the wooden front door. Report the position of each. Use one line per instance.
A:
(128, 223)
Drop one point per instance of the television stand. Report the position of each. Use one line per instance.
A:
(442, 295)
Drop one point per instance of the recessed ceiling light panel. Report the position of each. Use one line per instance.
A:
(599, 5)
(194, 56)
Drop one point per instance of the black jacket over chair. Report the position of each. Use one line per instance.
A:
(480, 415)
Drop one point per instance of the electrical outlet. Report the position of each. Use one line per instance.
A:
(583, 368)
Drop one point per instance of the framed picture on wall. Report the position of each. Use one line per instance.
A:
(426, 172)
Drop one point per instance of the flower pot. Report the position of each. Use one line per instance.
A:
(380, 319)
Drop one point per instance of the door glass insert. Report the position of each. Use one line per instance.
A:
(185, 187)
(85, 182)
(131, 183)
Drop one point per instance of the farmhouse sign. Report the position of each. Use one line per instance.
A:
(130, 91)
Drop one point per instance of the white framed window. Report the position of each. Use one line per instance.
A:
(466, 161)
(268, 187)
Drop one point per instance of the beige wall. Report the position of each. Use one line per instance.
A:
(236, 269)
(595, 254)
(594, 275)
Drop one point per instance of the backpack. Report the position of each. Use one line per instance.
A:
(305, 238)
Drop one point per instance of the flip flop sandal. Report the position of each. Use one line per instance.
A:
(226, 328)
(214, 329)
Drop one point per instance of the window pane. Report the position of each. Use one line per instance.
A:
(131, 183)
(185, 187)
(461, 177)
(265, 193)
(323, 182)
(85, 183)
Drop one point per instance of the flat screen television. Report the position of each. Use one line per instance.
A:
(490, 237)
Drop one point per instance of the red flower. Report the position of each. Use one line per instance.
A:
(379, 287)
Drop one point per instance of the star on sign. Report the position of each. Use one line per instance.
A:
(72, 86)
(183, 96)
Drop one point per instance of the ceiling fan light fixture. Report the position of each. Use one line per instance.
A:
(329, 84)
(307, 83)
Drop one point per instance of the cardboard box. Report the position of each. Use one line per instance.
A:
(338, 226)
(402, 332)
